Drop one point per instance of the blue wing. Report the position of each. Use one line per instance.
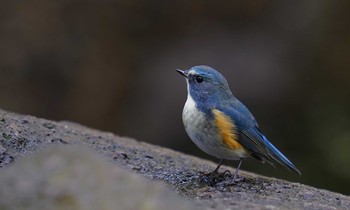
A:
(251, 137)
(263, 149)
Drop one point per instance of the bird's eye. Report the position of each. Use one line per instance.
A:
(199, 79)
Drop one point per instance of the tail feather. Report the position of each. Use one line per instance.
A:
(275, 154)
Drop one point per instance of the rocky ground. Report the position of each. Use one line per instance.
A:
(63, 165)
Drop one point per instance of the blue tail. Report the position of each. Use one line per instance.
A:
(274, 153)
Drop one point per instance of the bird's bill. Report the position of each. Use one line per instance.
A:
(182, 72)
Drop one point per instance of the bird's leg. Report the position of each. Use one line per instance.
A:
(214, 177)
(216, 171)
(237, 169)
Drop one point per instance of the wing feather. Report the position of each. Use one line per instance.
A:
(254, 141)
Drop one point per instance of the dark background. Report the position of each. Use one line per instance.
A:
(111, 65)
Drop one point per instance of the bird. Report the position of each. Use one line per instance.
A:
(222, 126)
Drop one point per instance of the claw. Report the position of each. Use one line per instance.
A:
(214, 177)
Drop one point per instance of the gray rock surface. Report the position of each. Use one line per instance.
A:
(76, 177)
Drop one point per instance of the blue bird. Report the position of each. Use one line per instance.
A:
(220, 125)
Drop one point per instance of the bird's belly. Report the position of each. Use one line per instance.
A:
(205, 134)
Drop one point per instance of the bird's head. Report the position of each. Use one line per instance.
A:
(205, 83)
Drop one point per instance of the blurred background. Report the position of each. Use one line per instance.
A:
(111, 65)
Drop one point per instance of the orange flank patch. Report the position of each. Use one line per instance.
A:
(227, 129)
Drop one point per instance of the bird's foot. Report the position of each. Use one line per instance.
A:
(214, 177)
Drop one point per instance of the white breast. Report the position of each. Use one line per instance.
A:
(199, 129)
(191, 116)
(193, 119)
(204, 133)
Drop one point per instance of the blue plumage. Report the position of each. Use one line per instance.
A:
(208, 90)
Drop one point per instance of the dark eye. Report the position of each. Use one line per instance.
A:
(199, 79)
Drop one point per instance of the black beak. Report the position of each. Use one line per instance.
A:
(182, 72)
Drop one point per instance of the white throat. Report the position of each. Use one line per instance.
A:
(190, 104)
